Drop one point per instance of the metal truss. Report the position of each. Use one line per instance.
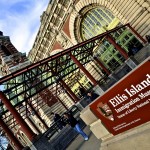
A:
(21, 86)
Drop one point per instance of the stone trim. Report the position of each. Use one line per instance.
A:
(137, 13)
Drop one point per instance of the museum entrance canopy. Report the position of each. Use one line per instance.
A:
(21, 86)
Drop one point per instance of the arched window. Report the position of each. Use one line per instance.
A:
(97, 21)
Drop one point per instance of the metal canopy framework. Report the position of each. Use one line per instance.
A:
(23, 84)
(20, 87)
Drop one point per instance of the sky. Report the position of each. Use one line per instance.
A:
(20, 20)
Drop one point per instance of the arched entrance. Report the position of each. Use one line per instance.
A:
(94, 18)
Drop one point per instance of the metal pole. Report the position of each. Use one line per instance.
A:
(10, 135)
(102, 65)
(25, 128)
(117, 46)
(136, 33)
(38, 116)
(75, 98)
(84, 70)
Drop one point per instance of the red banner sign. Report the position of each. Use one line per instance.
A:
(127, 103)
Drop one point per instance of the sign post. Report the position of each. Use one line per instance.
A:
(127, 103)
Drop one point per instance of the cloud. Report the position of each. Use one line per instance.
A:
(20, 19)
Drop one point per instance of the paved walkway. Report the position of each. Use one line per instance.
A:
(79, 144)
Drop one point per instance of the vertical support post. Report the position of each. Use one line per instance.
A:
(79, 83)
(102, 65)
(62, 103)
(33, 125)
(84, 70)
(136, 33)
(69, 95)
(117, 46)
(38, 116)
(25, 128)
(75, 98)
(10, 135)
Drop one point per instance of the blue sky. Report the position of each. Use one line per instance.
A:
(20, 19)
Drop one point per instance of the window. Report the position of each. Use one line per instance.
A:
(95, 22)
(5, 50)
(62, 12)
(113, 64)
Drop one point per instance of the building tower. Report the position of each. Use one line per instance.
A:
(11, 59)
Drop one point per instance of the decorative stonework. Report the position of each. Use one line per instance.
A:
(125, 10)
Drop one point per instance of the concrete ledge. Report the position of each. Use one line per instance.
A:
(87, 116)
(99, 130)
(133, 139)
(131, 62)
(98, 90)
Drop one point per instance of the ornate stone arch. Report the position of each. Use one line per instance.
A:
(55, 51)
(81, 8)
(127, 11)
